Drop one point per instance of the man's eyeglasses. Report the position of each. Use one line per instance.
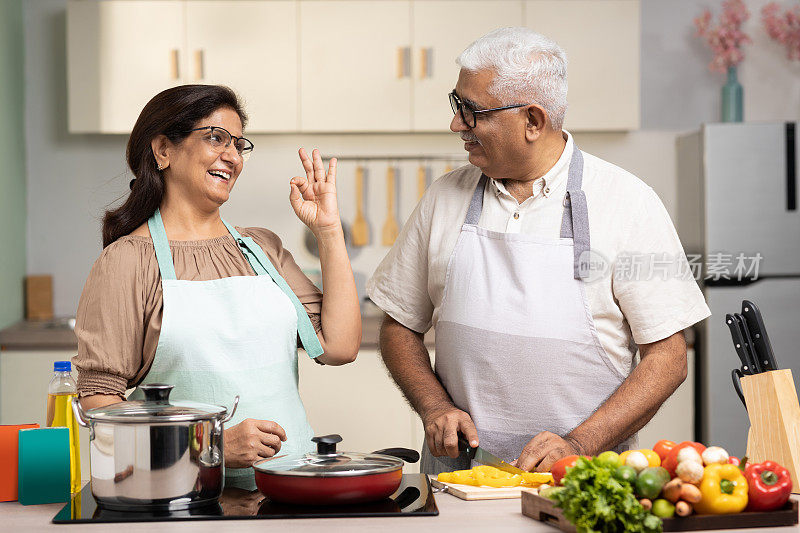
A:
(220, 139)
(470, 115)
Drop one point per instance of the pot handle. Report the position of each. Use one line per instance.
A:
(233, 411)
(80, 414)
(406, 454)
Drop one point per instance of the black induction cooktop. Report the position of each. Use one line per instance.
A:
(413, 498)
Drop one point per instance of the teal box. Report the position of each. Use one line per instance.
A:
(44, 466)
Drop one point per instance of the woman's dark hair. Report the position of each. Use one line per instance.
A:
(171, 113)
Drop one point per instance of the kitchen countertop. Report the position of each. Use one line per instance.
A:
(454, 515)
(57, 335)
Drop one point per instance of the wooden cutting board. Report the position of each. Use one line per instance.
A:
(544, 510)
(468, 492)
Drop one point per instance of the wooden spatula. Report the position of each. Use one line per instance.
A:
(360, 231)
(390, 226)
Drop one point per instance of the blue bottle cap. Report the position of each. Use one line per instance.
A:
(62, 366)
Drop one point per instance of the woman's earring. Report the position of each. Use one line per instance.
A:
(158, 165)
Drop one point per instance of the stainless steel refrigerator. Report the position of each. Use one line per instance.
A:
(737, 204)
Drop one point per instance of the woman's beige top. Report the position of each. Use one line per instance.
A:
(119, 314)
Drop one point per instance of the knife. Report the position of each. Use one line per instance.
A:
(479, 455)
(736, 375)
(738, 343)
(755, 365)
(758, 332)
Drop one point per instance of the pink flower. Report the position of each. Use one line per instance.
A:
(725, 39)
(783, 27)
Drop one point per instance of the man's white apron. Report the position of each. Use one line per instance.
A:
(516, 346)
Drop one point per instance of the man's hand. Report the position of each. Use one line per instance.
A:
(442, 428)
(543, 450)
(251, 440)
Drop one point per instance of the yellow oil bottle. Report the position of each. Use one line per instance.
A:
(60, 392)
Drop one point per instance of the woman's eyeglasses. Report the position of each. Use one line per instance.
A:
(220, 139)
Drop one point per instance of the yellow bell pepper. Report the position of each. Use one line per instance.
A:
(485, 479)
(723, 490)
(489, 476)
(536, 478)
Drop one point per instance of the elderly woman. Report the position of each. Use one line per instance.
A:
(180, 296)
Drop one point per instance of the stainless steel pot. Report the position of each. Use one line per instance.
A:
(155, 453)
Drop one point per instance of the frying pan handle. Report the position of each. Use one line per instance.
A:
(406, 454)
(233, 411)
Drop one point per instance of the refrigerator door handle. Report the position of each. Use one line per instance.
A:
(791, 167)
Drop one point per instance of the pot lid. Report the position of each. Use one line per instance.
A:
(328, 462)
(156, 407)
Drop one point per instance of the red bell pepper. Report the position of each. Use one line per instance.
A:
(770, 486)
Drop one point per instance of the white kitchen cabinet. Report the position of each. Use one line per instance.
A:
(24, 377)
(361, 402)
(250, 46)
(355, 66)
(602, 42)
(442, 29)
(119, 55)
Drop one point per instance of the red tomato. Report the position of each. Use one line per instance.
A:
(733, 460)
(559, 468)
(671, 462)
(663, 447)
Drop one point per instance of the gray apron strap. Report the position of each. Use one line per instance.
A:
(575, 221)
(476, 203)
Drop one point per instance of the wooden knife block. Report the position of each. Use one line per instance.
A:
(774, 413)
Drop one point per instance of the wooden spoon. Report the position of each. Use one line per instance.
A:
(390, 226)
(360, 232)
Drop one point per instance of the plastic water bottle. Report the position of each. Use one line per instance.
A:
(60, 392)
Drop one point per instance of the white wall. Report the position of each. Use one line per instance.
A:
(679, 92)
(72, 178)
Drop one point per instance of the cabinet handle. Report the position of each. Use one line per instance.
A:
(174, 60)
(403, 62)
(425, 60)
(199, 64)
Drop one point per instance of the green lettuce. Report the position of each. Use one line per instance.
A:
(594, 500)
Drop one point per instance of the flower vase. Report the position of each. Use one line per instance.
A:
(732, 96)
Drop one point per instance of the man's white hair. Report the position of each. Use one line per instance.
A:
(530, 68)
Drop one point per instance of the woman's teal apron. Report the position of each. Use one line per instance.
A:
(234, 336)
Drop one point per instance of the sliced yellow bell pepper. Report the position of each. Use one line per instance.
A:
(490, 476)
(723, 489)
(537, 478)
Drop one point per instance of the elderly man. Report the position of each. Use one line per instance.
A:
(520, 262)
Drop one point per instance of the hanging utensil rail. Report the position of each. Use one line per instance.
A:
(453, 158)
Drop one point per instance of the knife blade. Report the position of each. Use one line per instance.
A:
(736, 375)
(755, 365)
(738, 343)
(479, 455)
(758, 332)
